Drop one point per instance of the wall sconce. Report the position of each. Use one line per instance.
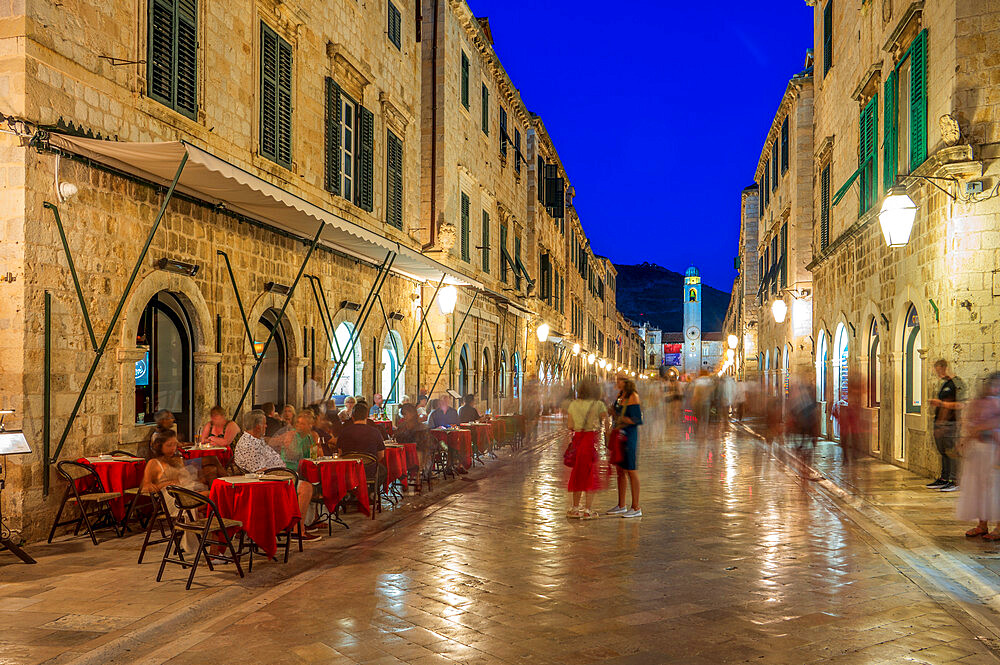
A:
(542, 332)
(591, 358)
(179, 267)
(395, 316)
(447, 298)
(779, 310)
(896, 217)
(576, 349)
(347, 304)
(732, 340)
(274, 287)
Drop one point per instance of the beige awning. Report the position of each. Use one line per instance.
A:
(216, 181)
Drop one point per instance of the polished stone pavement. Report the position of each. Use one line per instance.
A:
(736, 560)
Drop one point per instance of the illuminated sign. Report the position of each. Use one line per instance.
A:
(142, 371)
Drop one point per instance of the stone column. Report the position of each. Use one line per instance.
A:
(205, 364)
(128, 431)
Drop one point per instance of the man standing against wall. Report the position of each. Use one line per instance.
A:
(946, 407)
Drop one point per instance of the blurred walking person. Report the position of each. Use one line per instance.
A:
(584, 416)
(980, 478)
(627, 413)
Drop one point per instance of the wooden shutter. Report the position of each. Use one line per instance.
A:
(486, 110)
(333, 131)
(517, 261)
(824, 215)
(365, 189)
(503, 253)
(517, 151)
(775, 156)
(540, 174)
(784, 255)
(890, 124)
(395, 27)
(465, 227)
(162, 38)
(784, 145)
(867, 159)
(172, 54)
(918, 100)
(485, 241)
(394, 180)
(268, 91)
(465, 80)
(187, 58)
(827, 37)
(503, 131)
(284, 97)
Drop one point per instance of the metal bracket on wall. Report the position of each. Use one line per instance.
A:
(239, 301)
(453, 340)
(100, 349)
(415, 337)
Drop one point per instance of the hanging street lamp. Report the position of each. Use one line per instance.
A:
(576, 349)
(447, 298)
(542, 331)
(896, 216)
(779, 309)
(733, 340)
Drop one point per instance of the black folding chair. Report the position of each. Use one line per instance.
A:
(85, 490)
(161, 519)
(376, 474)
(189, 504)
(286, 473)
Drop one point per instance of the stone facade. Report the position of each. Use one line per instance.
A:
(742, 315)
(86, 72)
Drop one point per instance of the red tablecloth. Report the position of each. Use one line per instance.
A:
(337, 478)
(265, 508)
(412, 459)
(223, 453)
(481, 433)
(385, 426)
(117, 476)
(459, 440)
(395, 465)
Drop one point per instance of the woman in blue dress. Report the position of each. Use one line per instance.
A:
(628, 416)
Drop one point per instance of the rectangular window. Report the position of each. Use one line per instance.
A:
(767, 184)
(867, 160)
(827, 37)
(824, 207)
(486, 111)
(485, 240)
(503, 253)
(275, 97)
(784, 255)
(775, 157)
(784, 146)
(503, 131)
(540, 176)
(173, 54)
(394, 180)
(517, 261)
(348, 128)
(465, 228)
(465, 80)
(395, 28)
(905, 113)
(517, 151)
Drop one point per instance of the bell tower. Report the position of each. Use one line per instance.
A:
(692, 321)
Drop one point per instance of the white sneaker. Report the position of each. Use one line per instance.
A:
(617, 510)
(633, 513)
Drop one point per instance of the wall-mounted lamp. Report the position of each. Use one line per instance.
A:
(347, 304)
(779, 310)
(576, 349)
(395, 316)
(732, 340)
(542, 332)
(591, 358)
(896, 216)
(447, 298)
(179, 267)
(274, 287)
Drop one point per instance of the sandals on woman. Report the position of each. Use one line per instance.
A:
(992, 535)
(977, 531)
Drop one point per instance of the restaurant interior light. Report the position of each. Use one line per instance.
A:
(591, 358)
(779, 309)
(576, 349)
(733, 340)
(542, 331)
(447, 298)
(896, 216)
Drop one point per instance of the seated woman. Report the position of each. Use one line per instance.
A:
(164, 424)
(288, 415)
(411, 430)
(219, 430)
(348, 410)
(166, 467)
(303, 444)
(327, 431)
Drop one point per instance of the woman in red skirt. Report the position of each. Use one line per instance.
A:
(585, 420)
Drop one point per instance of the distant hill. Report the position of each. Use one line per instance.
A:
(648, 292)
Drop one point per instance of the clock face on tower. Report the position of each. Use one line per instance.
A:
(692, 332)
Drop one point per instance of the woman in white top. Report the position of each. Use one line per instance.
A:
(585, 419)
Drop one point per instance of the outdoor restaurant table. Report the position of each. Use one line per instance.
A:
(337, 477)
(481, 434)
(223, 453)
(385, 426)
(118, 474)
(395, 464)
(459, 440)
(265, 507)
(412, 459)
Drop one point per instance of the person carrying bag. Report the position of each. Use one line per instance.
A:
(585, 416)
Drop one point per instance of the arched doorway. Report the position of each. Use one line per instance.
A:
(271, 382)
(463, 371)
(502, 375)
(163, 377)
(767, 372)
(515, 379)
(347, 362)
(841, 350)
(912, 375)
(874, 380)
(393, 382)
(822, 354)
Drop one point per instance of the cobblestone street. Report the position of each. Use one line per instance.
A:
(736, 560)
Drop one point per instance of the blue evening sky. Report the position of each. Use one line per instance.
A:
(658, 110)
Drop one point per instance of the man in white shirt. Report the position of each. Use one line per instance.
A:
(253, 454)
(313, 391)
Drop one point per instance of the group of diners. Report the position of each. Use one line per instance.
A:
(269, 439)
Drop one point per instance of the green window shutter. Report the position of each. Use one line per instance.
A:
(827, 37)
(918, 100)
(504, 261)
(517, 261)
(365, 189)
(890, 129)
(284, 97)
(275, 97)
(486, 110)
(540, 186)
(395, 28)
(162, 37)
(775, 157)
(784, 145)
(486, 241)
(465, 227)
(784, 255)
(465, 80)
(394, 180)
(503, 131)
(824, 203)
(517, 151)
(331, 176)
(187, 58)
(867, 159)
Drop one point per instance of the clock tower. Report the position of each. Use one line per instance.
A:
(692, 321)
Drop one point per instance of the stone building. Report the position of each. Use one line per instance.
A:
(742, 315)
(210, 204)
(906, 96)
(784, 234)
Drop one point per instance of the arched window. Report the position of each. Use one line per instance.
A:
(874, 366)
(463, 371)
(821, 358)
(912, 374)
(767, 371)
(692, 295)
(271, 382)
(502, 378)
(485, 380)
(840, 355)
(346, 361)
(784, 369)
(393, 386)
(515, 379)
(163, 378)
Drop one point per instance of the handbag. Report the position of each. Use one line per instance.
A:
(569, 455)
(616, 440)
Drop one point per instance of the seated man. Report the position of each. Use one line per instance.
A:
(360, 437)
(254, 455)
(164, 425)
(274, 422)
(468, 413)
(443, 415)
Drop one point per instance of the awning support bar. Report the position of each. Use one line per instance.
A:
(332, 332)
(413, 341)
(99, 352)
(453, 341)
(239, 302)
(72, 272)
(281, 316)
(388, 331)
(322, 315)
